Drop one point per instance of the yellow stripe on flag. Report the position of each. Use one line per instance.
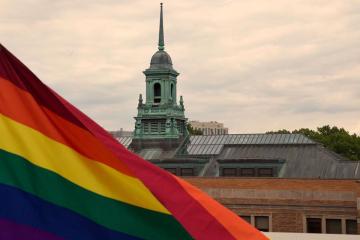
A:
(61, 159)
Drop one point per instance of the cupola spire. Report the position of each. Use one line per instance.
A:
(161, 45)
(161, 98)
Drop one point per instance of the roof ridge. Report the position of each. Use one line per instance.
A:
(251, 134)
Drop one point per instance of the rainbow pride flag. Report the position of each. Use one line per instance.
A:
(64, 177)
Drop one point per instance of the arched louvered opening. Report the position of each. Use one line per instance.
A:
(157, 93)
(172, 91)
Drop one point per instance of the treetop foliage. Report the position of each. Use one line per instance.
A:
(193, 131)
(337, 139)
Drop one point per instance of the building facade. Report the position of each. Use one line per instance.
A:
(290, 205)
(209, 128)
(277, 182)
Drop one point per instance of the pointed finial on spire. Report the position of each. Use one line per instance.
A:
(161, 45)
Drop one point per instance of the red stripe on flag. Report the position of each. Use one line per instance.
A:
(13, 70)
(22, 107)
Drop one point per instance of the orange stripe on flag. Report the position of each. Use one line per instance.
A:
(19, 105)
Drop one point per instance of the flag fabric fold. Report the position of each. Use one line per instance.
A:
(64, 177)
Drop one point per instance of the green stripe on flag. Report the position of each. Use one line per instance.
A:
(18, 172)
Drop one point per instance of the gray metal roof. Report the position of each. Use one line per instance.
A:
(213, 144)
(302, 161)
(251, 139)
(125, 141)
(301, 157)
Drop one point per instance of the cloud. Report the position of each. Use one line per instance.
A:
(254, 65)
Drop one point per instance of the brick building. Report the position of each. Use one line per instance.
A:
(290, 205)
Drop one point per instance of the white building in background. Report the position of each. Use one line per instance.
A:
(121, 133)
(210, 128)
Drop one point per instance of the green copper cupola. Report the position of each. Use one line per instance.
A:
(160, 117)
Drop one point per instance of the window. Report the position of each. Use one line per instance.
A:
(146, 127)
(157, 93)
(351, 226)
(247, 172)
(333, 226)
(180, 126)
(154, 127)
(265, 172)
(186, 172)
(262, 223)
(171, 170)
(246, 218)
(313, 225)
(172, 91)
(229, 172)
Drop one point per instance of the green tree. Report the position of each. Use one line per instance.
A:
(337, 139)
(279, 131)
(193, 131)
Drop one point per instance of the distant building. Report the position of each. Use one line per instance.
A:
(210, 128)
(121, 133)
(277, 182)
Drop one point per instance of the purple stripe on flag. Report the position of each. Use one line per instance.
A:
(14, 231)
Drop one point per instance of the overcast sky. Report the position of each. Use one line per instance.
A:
(255, 65)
